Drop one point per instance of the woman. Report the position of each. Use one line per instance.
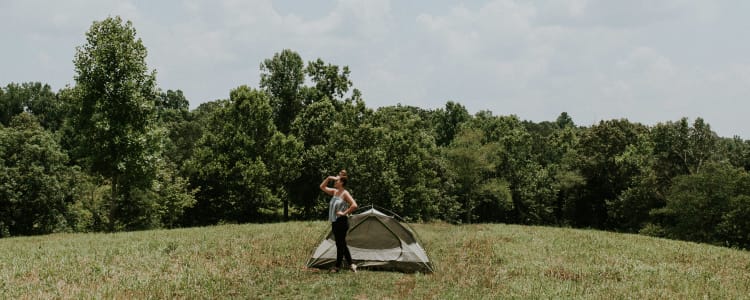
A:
(341, 205)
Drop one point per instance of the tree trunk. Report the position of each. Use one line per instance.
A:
(286, 209)
(113, 203)
(469, 208)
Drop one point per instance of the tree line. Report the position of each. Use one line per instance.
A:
(115, 152)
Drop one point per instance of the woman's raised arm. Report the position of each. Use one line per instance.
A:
(324, 185)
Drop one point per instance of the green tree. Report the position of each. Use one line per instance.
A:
(471, 167)
(329, 82)
(598, 148)
(564, 121)
(448, 121)
(738, 151)
(282, 77)
(412, 160)
(710, 205)
(312, 126)
(33, 97)
(734, 228)
(171, 100)
(514, 159)
(172, 194)
(34, 179)
(239, 164)
(12, 101)
(182, 132)
(283, 161)
(186, 134)
(630, 210)
(551, 140)
(679, 149)
(558, 154)
(682, 149)
(115, 114)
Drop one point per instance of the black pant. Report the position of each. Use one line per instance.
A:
(340, 227)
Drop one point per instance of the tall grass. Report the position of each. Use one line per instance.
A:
(268, 261)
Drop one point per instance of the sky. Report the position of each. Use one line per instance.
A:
(643, 60)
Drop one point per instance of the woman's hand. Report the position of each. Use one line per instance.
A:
(333, 177)
(340, 213)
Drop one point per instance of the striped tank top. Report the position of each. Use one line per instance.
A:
(336, 204)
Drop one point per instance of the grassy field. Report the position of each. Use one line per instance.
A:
(268, 261)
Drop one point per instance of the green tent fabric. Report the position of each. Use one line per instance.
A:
(376, 241)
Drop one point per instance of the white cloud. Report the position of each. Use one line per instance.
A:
(624, 14)
(648, 61)
(370, 19)
(584, 57)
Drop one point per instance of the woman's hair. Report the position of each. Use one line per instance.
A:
(343, 180)
(343, 172)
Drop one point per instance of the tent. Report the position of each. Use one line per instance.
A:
(376, 241)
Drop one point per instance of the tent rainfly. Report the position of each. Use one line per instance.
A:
(376, 241)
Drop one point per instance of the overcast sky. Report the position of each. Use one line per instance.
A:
(644, 60)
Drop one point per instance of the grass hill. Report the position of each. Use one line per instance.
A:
(268, 261)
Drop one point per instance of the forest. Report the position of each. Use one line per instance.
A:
(115, 152)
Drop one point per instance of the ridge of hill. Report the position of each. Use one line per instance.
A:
(268, 261)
